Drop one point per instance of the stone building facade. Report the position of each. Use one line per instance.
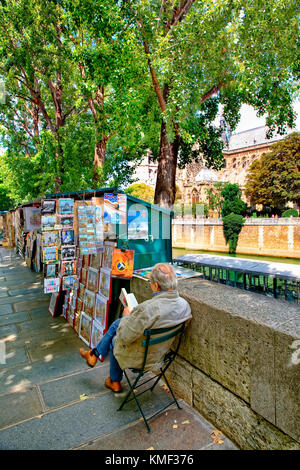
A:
(240, 151)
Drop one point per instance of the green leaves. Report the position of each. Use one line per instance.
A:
(232, 226)
(274, 179)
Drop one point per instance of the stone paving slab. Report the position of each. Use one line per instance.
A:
(16, 299)
(8, 330)
(30, 304)
(17, 407)
(172, 430)
(14, 318)
(37, 290)
(5, 308)
(3, 294)
(24, 276)
(12, 358)
(68, 389)
(48, 323)
(42, 312)
(41, 351)
(21, 378)
(37, 336)
(6, 285)
(68, 427)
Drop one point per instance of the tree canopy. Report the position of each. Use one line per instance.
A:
(141, 191)
(274, 179)
(93, 84)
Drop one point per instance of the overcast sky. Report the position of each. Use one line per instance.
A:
(249, 120)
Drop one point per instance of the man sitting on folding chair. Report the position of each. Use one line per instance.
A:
(123, 340)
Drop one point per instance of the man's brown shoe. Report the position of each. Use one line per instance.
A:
(91, 360)
(114, 386)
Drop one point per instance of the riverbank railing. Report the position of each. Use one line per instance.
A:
(277, 280)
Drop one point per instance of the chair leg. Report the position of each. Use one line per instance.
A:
(169, 387)
(128, 394)
(131, 391)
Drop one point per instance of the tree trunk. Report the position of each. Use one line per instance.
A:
(165, 189)
(99, 158)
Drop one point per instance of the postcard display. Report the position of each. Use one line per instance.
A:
(79, 262)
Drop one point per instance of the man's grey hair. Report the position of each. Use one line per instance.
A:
(165, 276)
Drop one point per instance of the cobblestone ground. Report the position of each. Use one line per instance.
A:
(50, 399)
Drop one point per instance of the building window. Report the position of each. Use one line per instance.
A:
(195, 196)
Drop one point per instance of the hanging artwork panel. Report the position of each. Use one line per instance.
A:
(96, 334)
(105, 282)
(48, 206)
(100, 313)
(65, 206)
(85, 328)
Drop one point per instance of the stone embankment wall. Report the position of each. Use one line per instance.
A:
(268, 237)
(239, 363)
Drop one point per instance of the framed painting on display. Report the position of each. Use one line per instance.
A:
(100, 313)
(96, 334)
(92, 279)
(68, 252)
(89, 302)
(53, 303)
(85, 327)
(105, 282)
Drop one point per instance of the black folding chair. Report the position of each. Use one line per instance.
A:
(152, 339)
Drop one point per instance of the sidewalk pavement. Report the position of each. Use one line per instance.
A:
(50, 399)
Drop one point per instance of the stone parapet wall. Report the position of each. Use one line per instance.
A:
(239, 363)
(267, 239)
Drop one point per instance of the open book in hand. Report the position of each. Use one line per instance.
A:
(128, 300)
